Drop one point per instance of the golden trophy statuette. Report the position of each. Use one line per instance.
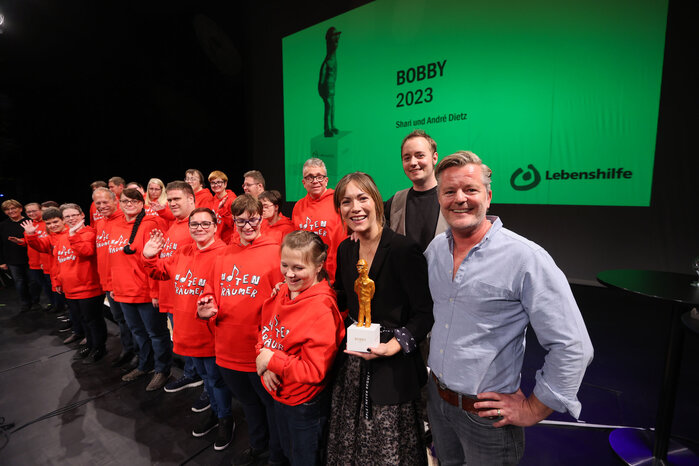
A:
(364, 287)
(363, 335)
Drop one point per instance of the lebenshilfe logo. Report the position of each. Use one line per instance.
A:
(596, 174)
(531, 174)
(525, 180)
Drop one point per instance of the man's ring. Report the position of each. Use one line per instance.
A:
(498, 411)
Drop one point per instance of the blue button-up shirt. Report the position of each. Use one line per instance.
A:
(481, 316)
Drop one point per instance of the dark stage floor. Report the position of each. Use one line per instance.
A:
(67, 413)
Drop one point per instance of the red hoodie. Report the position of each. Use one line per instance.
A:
(204, 198)
(102, 229)
(176, 237)
(226, 229)
(75, 261)
(164, 213)
(305, 334)
(128, 279)
(48, 261)
(42, 242)
(34, 256)
(279, 230)
(242, 278)
(319, 216)
(94, 215)
(187, 271)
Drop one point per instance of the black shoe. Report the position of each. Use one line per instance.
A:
(182, 383)
(202, 403)
(82, 353)
(226, 428)
(250, 456)
(123, 358)
(95, 355)
(48, 308)
(65, 326)
(206, 425)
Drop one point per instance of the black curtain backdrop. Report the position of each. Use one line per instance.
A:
(90, 90)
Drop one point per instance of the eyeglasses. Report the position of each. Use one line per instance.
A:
(312, 178)
(253, 222)
(130, 201)
(216, 183)
(204, 225)
(191, 178)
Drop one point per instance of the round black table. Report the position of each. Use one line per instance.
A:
(639, 447)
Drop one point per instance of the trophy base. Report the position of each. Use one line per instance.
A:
(359, 339)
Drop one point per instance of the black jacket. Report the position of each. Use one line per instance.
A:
(402, 299)
(11, 253)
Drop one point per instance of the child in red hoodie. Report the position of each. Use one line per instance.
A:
(302, 330)
(241, 279)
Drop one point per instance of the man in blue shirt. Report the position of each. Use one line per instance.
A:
(488, 284)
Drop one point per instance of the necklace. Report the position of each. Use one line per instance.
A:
(367, 249)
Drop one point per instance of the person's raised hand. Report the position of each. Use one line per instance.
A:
(154, 245)
(75, 228)
(29, 227)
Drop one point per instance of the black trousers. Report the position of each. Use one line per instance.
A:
(92, 317)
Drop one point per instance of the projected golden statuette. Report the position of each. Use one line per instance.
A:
(363, 335)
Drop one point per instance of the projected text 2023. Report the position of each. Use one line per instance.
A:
(417, 74)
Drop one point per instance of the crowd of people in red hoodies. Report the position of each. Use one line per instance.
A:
(240, 293)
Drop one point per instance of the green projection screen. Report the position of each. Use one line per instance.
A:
(559, 98)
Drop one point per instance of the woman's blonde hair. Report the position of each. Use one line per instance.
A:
(162, 199)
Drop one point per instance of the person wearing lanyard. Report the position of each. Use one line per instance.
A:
(382, 385)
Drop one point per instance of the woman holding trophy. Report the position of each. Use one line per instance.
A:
(376, 413)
